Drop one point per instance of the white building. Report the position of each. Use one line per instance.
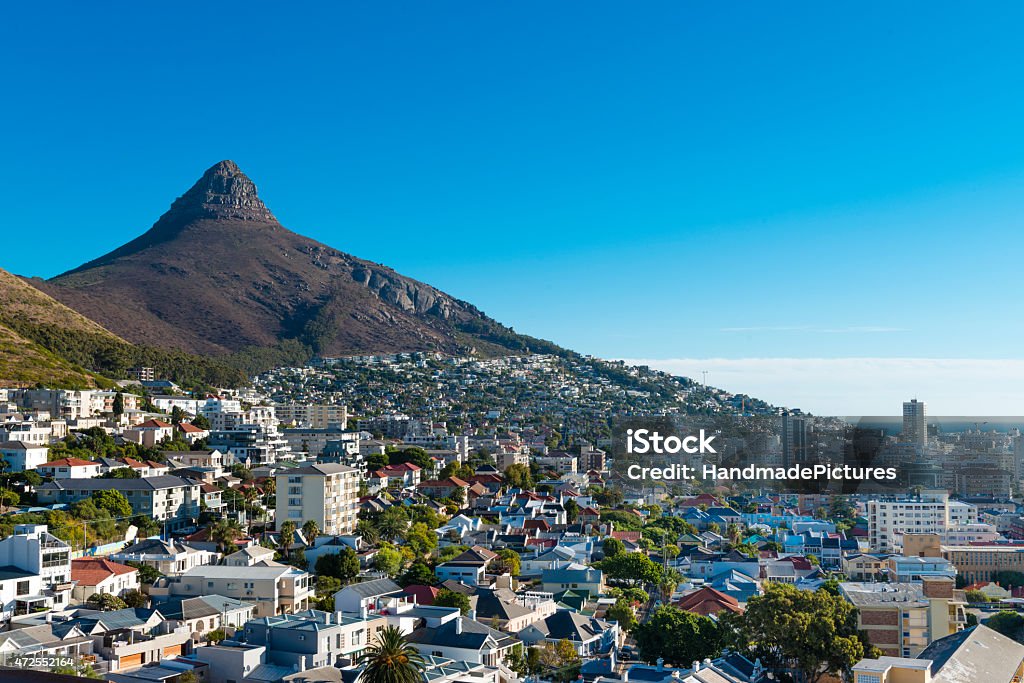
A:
(34, 551)
(21, 456)
(325, 493)
(931, 513)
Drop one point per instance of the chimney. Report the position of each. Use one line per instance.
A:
(458, 626)
(696, 666)
(661, 663)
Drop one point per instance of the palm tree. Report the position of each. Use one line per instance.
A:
(367, 532)
(391, 659)
(224, 532)
(287, 538)
(310, 530)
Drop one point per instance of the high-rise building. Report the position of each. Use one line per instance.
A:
(795, 439)
(326, 493)
(915, 423)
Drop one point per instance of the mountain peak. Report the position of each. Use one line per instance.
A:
(224, 191)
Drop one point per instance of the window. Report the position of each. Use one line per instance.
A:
(23, 588)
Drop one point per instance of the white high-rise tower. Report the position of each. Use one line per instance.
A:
(915, 423)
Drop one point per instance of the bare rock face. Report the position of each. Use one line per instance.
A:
(217, 273)
(223, 192)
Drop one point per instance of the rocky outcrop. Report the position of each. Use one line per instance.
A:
(218, 273)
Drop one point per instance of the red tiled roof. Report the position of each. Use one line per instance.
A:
(450, 482)
(627, 535)
(68, 462)
(153, 424)
(90, 571)
(189, 428)
(425, 595)
(707, 601)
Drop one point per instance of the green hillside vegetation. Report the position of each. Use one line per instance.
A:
(42, 341)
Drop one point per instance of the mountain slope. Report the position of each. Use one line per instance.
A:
(218, 274)
(27, 316)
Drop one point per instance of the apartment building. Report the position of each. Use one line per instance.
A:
(325, 493)
(34, 550)
(26, 432)
(902, 619)
(275, 589)
(316, 416)
(314, 638)
(932, 512)
(165, 498)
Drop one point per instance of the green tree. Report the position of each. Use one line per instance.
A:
(678, 637)
(391, 659)
(287, 534)
(976, 596)
(147, 574)
(518, 476)
(572, 510)
(418, 573)
(118, 407)
(622, 612)
(388, 560)
(216, 635)
(367, 531)
(1008, 579)
(113, 502)
(310, 531)
(1010, 624)
(106, 602)
(392, 523)
(634, 567)
(612, 547)
(417, 456)
(450, 598)
(507, 562)
(224, 533)
(343, 565)
(134, 598)
(420, 539)
(814, 632)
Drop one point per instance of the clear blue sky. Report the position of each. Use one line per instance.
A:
(663, 180)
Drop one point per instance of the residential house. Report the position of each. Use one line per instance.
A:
(588, 635)
(100, 575)
(70, 468)
(365, 596)
(452, 487)
(205, 613)
(275, 589)
(149, 433)
(313, 638)
(573, 577)
(168, 557)
(707, 601)
(191, 433)
(469, 567)
(463, 639)
(22, 456)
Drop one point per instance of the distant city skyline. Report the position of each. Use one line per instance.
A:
(664, 182)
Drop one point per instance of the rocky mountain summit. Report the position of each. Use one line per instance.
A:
(217, 273)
